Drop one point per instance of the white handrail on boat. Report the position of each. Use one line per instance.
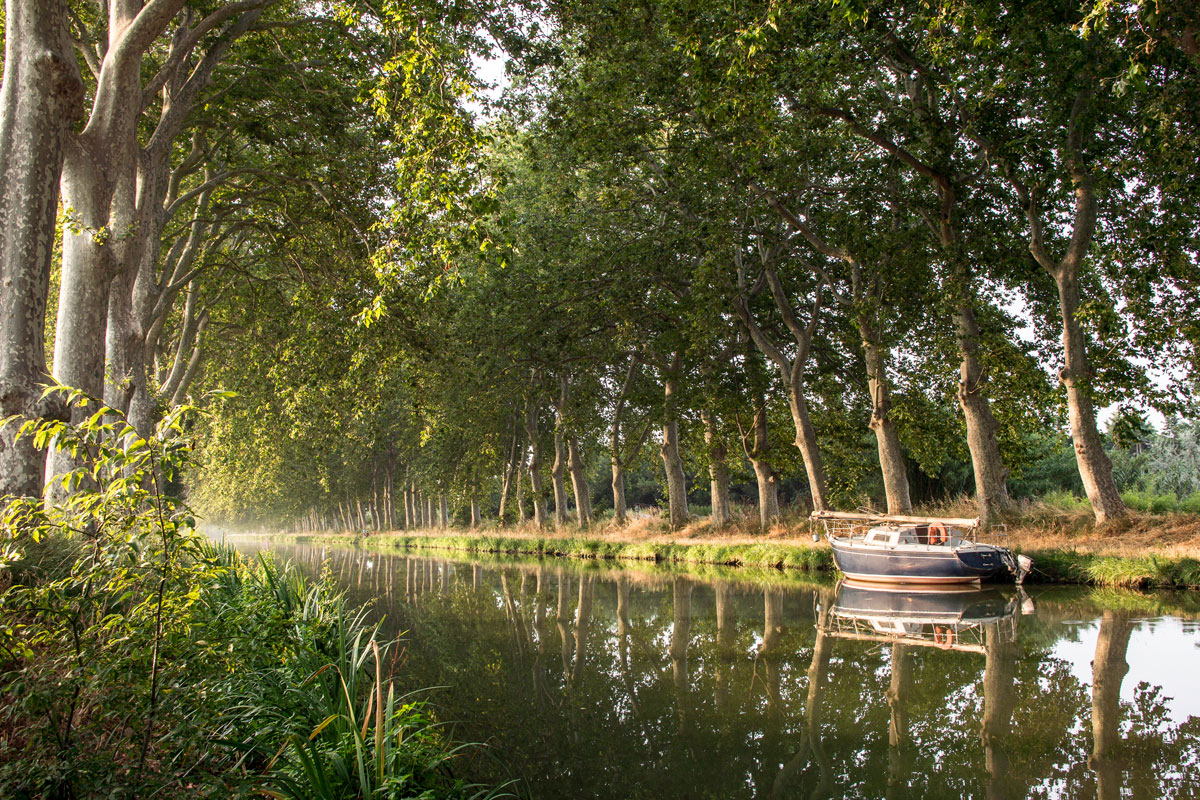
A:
(961, 522)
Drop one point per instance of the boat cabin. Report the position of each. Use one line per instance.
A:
(915, 534)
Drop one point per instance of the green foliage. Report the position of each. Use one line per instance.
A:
(630, 189)
(138, 659)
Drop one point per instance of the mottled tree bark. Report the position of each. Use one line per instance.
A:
(891, 457)
(792, 371)
(620, 509)
(409, 522)
(519, 489)
(99, 193)
(616, 457)
(677, 503)
(718, 473)
(579, 484)
(535, 464)
(558, 477)
(42, 95)
(511, 471)
(764, 473)
(991, 489)
(1095, 468)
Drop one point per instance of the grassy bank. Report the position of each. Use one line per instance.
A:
(1081, 563)
(263, 684)
(734, 554)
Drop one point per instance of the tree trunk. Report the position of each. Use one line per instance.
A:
(770, 656)
(898, 735)
(806, 443)
(1109, 668)
(87, 271)
(519, 488)
(558, 476)
(999, 702)
(376, 506)
(444, 511)
(99, 190)
(764, 473)
(991, 492)
(614, 442)
(41, 97)
(672, 462)
(510, 472)
(620, 511)
(718, 473)
(681, 636)
(579, 484)
(792, 371)
(1095, 467)
(475, 519)
(583, 619)
(393, 520)
(891, 458)
(535, 465)
(430, 514)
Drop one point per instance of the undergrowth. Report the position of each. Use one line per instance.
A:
(139, 660)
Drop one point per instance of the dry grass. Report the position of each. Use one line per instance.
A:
(1030, 525)
(1141, 550)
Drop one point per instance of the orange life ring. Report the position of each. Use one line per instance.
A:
(943, 636)
(938, 533)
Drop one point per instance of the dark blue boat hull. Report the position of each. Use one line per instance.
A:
(892, 565)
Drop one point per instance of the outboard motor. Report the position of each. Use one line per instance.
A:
(1024, 565)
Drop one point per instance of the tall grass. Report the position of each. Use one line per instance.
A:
(277, 688)
(337, 726)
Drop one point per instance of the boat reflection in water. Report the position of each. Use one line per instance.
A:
(950, 618)
(967, 619)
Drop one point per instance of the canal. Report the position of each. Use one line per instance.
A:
(598, 680)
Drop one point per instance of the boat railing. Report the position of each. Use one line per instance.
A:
(846, 524)
(964, 635)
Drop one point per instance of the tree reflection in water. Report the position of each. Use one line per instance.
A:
(673, 686)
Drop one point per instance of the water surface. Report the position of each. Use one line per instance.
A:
(589, 680)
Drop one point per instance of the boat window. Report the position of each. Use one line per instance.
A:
(881, 536)
(909, 536)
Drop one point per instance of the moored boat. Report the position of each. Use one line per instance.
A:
(882, 548)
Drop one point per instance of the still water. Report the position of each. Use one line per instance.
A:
(589, 680)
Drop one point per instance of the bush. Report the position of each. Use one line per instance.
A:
(1154, 502)
(137, 659)
(1190, 504)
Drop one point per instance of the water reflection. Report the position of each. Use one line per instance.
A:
(589, 681)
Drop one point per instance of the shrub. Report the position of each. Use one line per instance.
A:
(137, 659)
